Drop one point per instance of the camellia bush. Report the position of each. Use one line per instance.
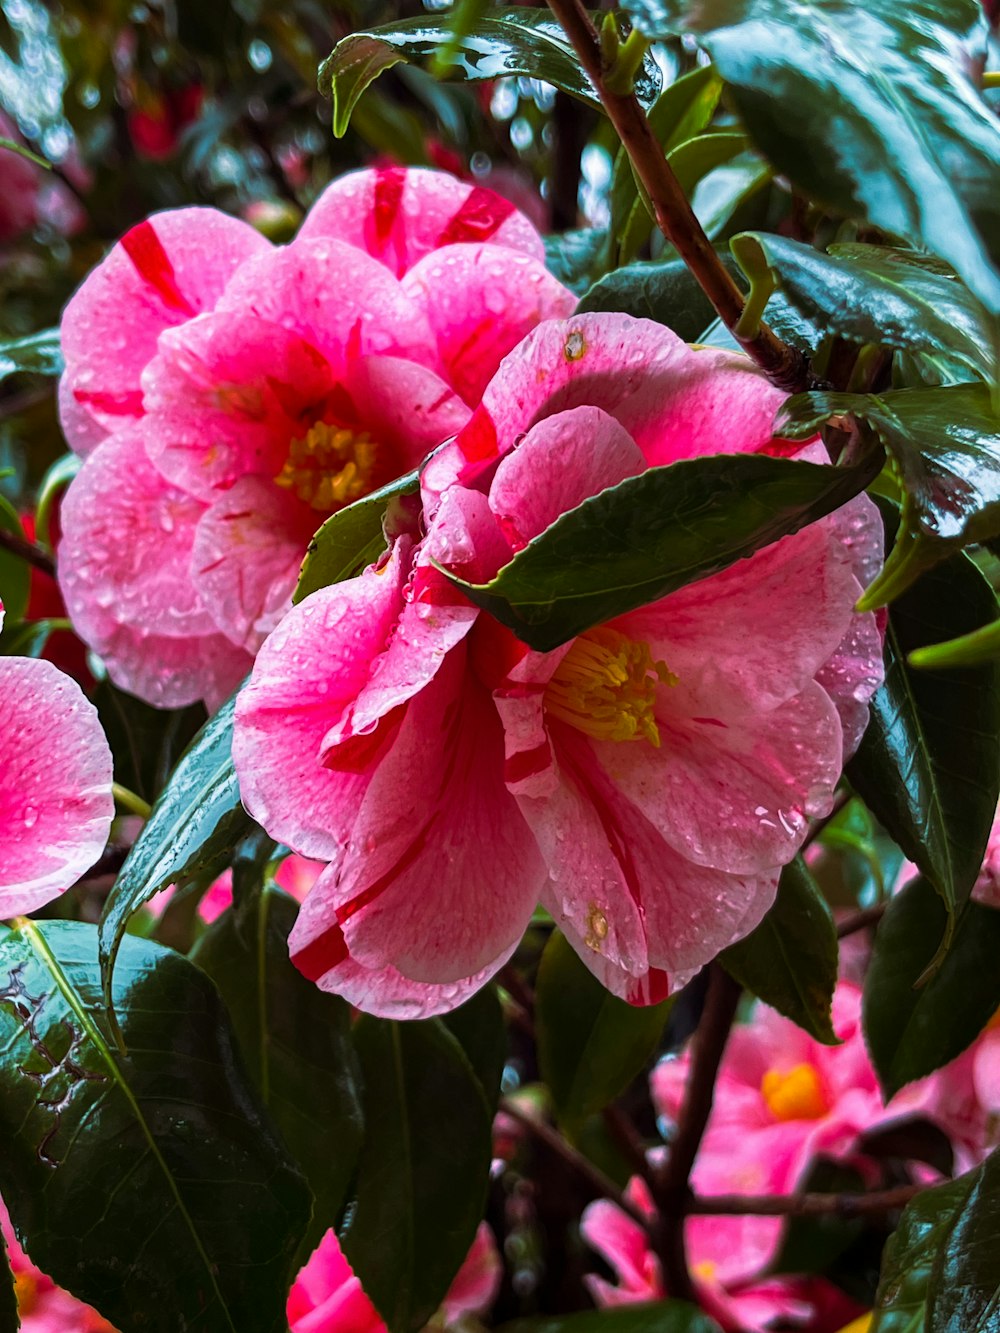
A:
(500, 667)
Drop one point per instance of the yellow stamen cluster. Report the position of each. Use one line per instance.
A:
(330, 467)
(606, 686)
(794, 1094)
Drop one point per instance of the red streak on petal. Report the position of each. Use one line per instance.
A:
(479, 218)
(125, 404)
(527, 764)
(651, 989)
(389, 183)
(356, 754)
(478, 441)
(375, 890)
(152, 263)
(322, 954)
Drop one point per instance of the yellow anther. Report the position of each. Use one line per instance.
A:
(705, 1269)
(606, 686)
(330, 467)
(794, 1094)
(25, 1292)
(597, 928)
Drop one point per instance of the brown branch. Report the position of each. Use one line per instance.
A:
(804, 1205)
(670, 1185)
(31, 552)
(868, 916)
(674, 214)
(603, 1186)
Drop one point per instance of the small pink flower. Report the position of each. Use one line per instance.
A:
(327, 1297)
(56, 805)
(646, 781)
(986, 889)
(229, 396)
(42, 1306)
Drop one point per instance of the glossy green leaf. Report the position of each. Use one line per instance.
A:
(874, 294)
(424, 1168)
(528, 42)
(15, 575)
(591, 1044)
(354, 537)
(151, 1184)
(790, 960)
(913, 1029)
(964, 1295)
(145, 741)
(912, 1258)
(296, 1044)
(478, 1027)
(36, 354)
(576, 258)
(193, 829)
(929, 764)
(655, 533)
(945, 443)
(866, 106)
(663, 1317)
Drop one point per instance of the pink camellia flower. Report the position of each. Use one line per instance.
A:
(327, 1297)
(230, 395)
(56, 804)
(727, 1283)
(645, 781)
(41, 1305)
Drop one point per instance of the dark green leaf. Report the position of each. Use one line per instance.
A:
(354, 537)
(37, 354)
(873, 294)
(790, 960)
(929, 764)
(150, 1184)
(865, 105)
(527, 42)
(914, 1029)
(912, 1255)
(145, 741)
(478, 1027)
(15, 575)
(194, 827)
(576, 257)
(591, 1044)
(655, 533)
(424, 1168)
(945, 443)
(296, 1043)
(964, 1295)
(664, 1317)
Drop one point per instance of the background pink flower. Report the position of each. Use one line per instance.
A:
(229, 395)
(56, 804)
(646, 781)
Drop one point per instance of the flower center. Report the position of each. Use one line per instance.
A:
(705, 1269)
(331, 466)
(794, 1094)
(606, 686)
(25, 1292)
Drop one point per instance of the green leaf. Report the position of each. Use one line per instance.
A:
(913, 1029)
(150, 1185)
(354, 537)
(193, 829)
(652, 534)
(874, 294)
(478, 1027)
(15, 575)
(964, 1295)
(865, 105)
(527, 42)
(591, 1044)
(912, 1256)
(296, 1044)
(576, 257)
(945, 443)
(929, 764)
(424, 1167)
(145, 741)
(790, 960)
(663, 1317)
(37, 354)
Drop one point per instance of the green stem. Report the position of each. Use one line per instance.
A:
(129, 801)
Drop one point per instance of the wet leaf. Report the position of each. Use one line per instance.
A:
(200, 1208)
(36, 354)
(965, 1284)
(15, 574)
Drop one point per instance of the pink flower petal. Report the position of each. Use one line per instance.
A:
(160, 273)
(481, 300)
(55, 784)
(475, 1285)
(247, 555)
(400, 214)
